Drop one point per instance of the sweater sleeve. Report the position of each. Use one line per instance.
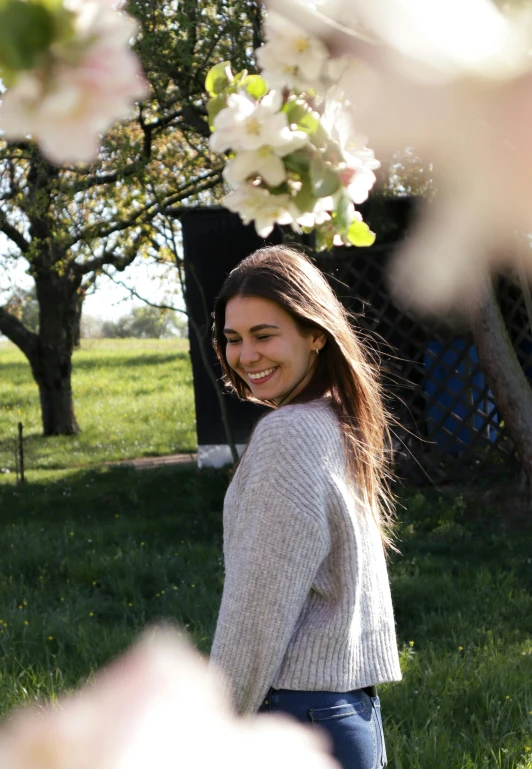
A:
(277, 544)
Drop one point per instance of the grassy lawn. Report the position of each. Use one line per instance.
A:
(90, 554)
(132, 397)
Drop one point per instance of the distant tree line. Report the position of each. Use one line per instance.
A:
(141, 322)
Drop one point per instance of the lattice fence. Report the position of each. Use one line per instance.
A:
(447, 422)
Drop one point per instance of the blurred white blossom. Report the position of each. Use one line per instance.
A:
(454, 81)
(86, 84)
(158, 706)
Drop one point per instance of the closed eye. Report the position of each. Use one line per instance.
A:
(264, 336)
(233, 341)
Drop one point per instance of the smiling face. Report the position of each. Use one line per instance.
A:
(267, 349)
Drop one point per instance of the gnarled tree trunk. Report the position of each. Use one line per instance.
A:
(505, 376)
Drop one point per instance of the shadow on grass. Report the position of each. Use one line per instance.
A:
(10, 370)
(457, 576)
(461, 573)
(93, 558)
(19, 373)
(177, 497)
(120, 359)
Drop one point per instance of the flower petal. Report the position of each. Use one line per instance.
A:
(272, 170)
(241, 166)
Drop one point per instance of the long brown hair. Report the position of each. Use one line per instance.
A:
(344, 368)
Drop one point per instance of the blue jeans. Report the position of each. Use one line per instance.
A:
(352, 719)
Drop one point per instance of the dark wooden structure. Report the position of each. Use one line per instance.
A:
(214, 241)
(446, 421)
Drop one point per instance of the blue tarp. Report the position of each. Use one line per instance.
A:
(451, 399)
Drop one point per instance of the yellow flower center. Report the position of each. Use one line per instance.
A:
(301, 44)
(265, 151)
(253, 127)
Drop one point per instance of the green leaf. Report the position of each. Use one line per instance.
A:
(299, 114)
(332, 151)
(340, 214)
(323, 239)
(53, 5)
(359, 234)
(239, 76)
(305, 200)
(8, 77)
(309, 122)
(298, 161)
(295, 112)
(218, 78)
(26, 32)
(65, 29)
(281, 189)
(324, 180)
(255, 85)
(214, 106)
(319, 137)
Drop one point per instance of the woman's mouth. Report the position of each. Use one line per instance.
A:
(259, 377)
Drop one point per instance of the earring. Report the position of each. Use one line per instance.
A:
(317, 351)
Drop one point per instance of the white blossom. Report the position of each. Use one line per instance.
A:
(319, 215)
(454, 81)
(358, 175)
(149, 709)
(359, 162)
(266, 162)
(258, 205)
(291, 57)
(90, 82)
(249, 125)
(263, 162)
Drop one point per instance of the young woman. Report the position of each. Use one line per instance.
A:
(306, 623)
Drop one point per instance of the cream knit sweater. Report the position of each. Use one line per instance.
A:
(306, 601)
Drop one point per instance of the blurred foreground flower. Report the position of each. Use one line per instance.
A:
(75, 82)
(453, 80)
(157, 706)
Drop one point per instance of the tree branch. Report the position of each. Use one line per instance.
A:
(17, 333)
(13, 234)
(118, 261)
(97, 180)
(145, 215)
(134, 293)
(163, 122)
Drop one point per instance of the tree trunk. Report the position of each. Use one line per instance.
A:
(51, 363)
(505, 376)
(76, 330)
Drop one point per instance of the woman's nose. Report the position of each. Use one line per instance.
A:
(248, 353)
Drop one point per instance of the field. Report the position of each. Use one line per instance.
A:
(133, 398)
(92, 552)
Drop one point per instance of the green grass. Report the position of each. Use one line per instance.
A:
(90, 555)
(463, 598)
(132, 398)
(90, 559)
